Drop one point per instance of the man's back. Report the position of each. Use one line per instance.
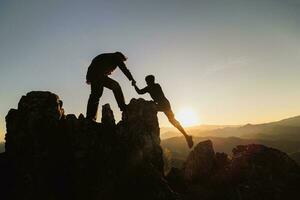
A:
(102, 64)
(157, 93)
(105, 59)
(105, 64)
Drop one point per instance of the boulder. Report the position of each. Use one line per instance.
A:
(254, 171)
(200, 162)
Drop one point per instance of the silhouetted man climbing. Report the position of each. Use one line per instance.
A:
(162, 104)
(97, 76)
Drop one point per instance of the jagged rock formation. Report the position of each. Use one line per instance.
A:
(108, 117)
(253, 172)
(261, 172)
(50, 155)
(56, 156)
(200, 162)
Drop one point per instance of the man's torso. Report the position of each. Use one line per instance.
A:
(103, 64)
(158, 96)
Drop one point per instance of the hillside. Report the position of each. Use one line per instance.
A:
(179, 149)
(292, 121)
(286, 129)
(170, 132)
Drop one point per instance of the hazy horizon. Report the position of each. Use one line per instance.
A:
(226, 62)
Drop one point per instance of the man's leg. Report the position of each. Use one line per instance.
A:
(115, 87)
(93, 102)
(174, 122)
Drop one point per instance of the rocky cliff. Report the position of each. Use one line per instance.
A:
(252, 172)
(51, 155)
(56, 156)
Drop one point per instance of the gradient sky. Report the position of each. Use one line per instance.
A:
(231, 61)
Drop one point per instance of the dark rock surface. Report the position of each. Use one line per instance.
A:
(261, 172)
(254, 172)
(50, 155)
(200, 162)
(296, 157)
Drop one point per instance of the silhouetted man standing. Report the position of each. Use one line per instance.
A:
(97, 76)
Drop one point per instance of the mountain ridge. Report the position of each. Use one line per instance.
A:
(285, 129)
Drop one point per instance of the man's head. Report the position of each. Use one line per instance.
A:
(150, 79)
(121, 56)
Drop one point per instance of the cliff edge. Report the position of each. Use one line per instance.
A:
(51, 155)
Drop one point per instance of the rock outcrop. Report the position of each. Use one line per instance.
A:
(50, 155)
(200, 162)
(260, 172)
(253, 172)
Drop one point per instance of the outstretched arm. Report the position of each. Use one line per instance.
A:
(140, 91)
(125, 70)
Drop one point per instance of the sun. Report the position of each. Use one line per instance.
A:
(187, 117)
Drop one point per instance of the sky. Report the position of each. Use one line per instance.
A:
(229, 61)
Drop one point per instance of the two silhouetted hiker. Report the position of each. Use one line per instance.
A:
(162, 104)
(97, 76)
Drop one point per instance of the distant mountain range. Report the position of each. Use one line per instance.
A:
(292, 121)
(179, 149)
(168, 132)
(286, 129)
(283, 135)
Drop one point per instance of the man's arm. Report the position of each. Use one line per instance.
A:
(124, 69)
(140, 91)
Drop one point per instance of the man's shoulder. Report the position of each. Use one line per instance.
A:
(104, 56)
(154, 87)
(157, 85)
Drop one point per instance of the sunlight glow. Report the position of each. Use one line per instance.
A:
(188, 117)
